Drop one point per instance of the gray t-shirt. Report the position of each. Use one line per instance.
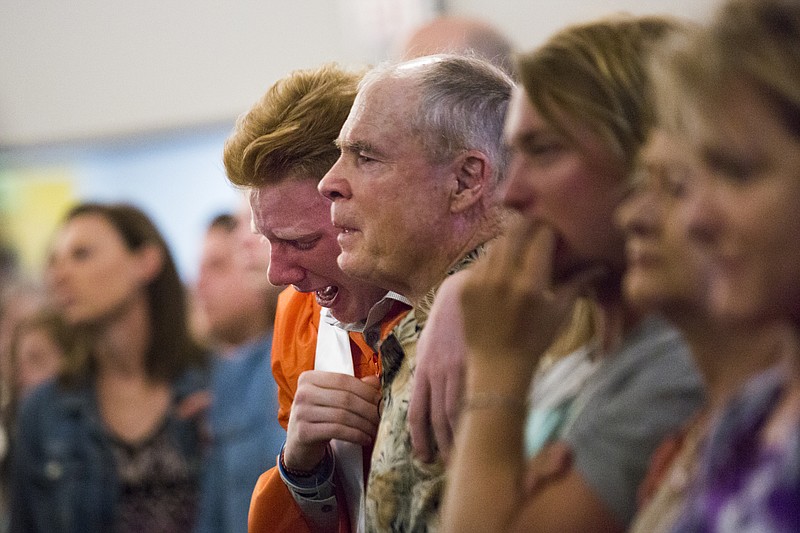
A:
(640, 394)
(552, 394)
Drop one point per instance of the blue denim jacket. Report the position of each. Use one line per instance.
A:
(63, 473)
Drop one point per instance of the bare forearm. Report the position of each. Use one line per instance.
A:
(485, 489)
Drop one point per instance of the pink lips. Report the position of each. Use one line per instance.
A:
(640, 254)
(345, 235)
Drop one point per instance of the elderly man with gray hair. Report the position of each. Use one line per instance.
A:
(414, 196)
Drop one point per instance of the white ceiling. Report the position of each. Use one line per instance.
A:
(88, 69)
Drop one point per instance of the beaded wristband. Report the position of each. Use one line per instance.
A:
(491, 400)
(301, 473)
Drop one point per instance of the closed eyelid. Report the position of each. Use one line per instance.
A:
(536, 140)
(298, 242)
(81, 251)
(732, 164)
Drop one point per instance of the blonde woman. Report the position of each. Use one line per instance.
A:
(740, 83)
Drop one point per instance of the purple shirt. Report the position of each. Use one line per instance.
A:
(742, 485)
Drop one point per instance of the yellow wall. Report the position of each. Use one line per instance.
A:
(32, 202)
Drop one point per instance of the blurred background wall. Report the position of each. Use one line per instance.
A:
(132, 101)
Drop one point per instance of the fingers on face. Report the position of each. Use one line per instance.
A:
(522, 257)
(536, 258)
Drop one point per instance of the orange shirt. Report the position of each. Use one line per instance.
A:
(294, 344)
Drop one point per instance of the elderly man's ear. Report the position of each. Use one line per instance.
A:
(473, 177)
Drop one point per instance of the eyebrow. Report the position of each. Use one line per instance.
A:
(356, 147)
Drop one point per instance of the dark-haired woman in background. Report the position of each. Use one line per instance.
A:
(114, 444)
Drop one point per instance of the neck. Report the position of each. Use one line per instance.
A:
(614, 321)
(121, 343)
(465, 237)
(727, 355)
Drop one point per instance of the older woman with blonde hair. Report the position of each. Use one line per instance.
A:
(739, 83)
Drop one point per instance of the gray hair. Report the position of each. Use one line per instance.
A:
(462, 105)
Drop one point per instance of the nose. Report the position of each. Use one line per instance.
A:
(700, 213)
(283, 270)
(334, 185)
(518, 191)
(55, 273)
(202, 283)
(639, 214)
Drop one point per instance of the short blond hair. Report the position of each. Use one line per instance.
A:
(292, 128)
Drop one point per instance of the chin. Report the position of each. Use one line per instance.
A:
(352, 309)
(641, 296)
(75, 320)
(346, 317)
(730, 307)
(340, 310)
(350, 265)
